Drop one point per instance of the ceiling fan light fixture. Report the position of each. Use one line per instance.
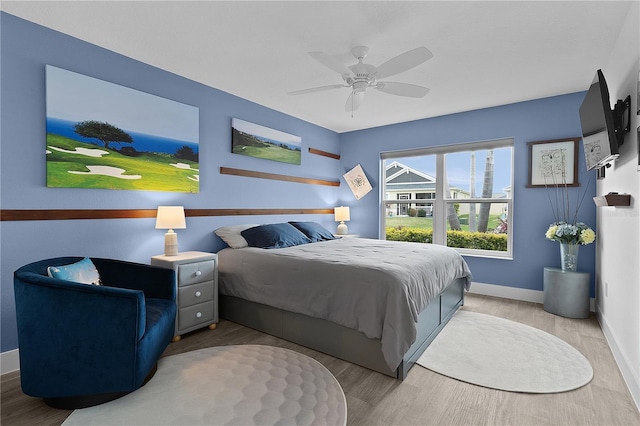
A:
(360, 86)
(360, 76)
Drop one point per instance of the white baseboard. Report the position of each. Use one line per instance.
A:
(9, 361)
(523, 294)
(628, 374)
(494, 290)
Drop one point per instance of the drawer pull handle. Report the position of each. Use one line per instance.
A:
(199, 315)
(198, 293)
(198, 273)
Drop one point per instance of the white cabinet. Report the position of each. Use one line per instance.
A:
(197, 289)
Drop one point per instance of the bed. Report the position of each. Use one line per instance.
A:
(374, 303)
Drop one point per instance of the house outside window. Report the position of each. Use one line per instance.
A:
(456, 195)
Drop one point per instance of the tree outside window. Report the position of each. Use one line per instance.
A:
(459, 196)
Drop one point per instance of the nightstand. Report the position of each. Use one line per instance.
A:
(346, 235)
(197, 289)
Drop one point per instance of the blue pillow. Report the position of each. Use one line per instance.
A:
(276, 235)
(314, 231)
(83, 272)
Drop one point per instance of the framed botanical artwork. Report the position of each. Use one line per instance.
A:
(358, 182)
(553, 163)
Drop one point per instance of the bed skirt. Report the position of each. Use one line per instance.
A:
(342, 342)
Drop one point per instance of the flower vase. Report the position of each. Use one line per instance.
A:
(569, 256)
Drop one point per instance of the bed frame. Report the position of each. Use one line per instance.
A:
(342, 342)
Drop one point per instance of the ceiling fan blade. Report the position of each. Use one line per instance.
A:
(330, 62)
(353, 101)
(316, 89)
(402, 89)
(403, 62)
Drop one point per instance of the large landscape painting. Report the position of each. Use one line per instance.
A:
(262, 142)
(102, 135)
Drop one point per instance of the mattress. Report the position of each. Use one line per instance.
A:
(377, 287)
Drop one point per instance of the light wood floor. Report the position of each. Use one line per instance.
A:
(424, 398)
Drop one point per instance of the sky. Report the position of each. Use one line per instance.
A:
(458, 168)
(76, 97)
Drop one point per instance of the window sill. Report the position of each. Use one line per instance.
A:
(487, 254)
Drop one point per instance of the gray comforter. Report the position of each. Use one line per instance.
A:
(374, 286)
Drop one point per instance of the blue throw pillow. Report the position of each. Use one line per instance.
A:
(314, 231)
(83, 272)
(276, 235)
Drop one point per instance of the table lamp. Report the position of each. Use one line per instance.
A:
(341, 215)
(170, 217)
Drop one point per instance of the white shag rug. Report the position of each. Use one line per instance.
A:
(237, 385)
(497, 353)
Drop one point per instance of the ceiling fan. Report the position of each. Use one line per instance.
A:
(361, 76)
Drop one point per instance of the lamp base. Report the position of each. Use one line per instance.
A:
(170, 243)
(342, 229)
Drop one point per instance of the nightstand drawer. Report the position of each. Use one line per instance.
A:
(194, 315)
(196, 293)
(196, 272)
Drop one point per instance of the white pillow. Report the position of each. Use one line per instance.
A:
(232, 235)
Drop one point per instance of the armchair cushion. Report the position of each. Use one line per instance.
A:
(80, 272)
(136, 276)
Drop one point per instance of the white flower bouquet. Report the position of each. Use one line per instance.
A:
(568, 233)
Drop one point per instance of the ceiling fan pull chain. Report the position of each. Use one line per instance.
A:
(352, 100)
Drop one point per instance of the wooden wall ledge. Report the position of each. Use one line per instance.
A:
(324, 153)
(263, 175)
(78, 214)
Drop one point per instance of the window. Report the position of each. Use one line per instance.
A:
(456, 195)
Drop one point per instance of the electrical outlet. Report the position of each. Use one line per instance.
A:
(606, 289)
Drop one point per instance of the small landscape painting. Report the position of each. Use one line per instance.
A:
(262, 142)
(106, 136)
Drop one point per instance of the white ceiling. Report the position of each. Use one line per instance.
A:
(485, 53)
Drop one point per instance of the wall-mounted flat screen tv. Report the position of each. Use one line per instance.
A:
(598, 127)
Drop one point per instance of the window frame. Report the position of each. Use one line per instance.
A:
(440, 202)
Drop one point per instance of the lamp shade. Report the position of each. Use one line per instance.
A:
(341, 214)
(170, 217)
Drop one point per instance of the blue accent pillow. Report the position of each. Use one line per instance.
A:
(314, 231)
(276, 235)
(83, 272)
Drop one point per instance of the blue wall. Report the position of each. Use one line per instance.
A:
(544, 119)
(26, 48)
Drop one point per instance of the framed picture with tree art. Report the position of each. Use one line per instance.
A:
(553, 163)
(105, 136)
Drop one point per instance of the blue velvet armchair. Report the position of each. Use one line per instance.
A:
(80, 344)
